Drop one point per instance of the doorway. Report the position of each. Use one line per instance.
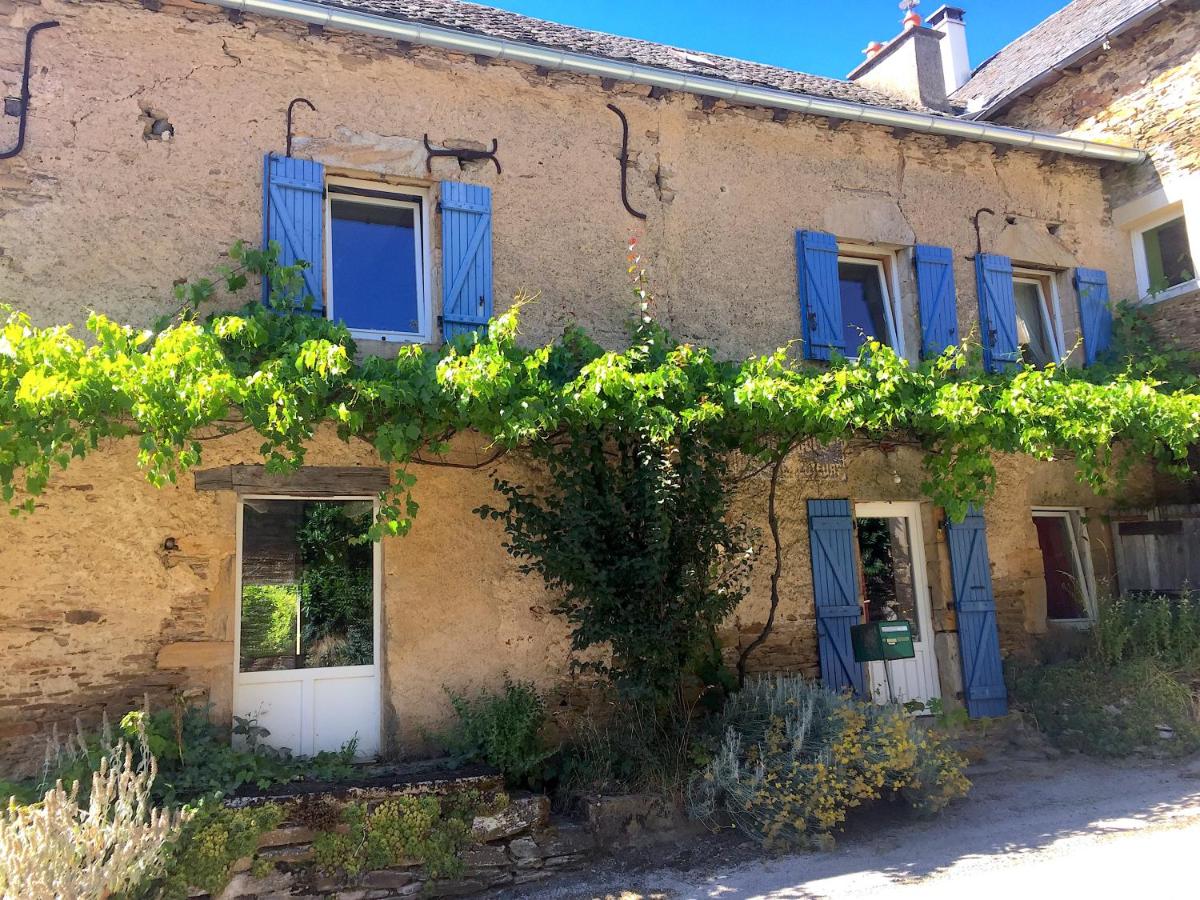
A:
(307, 633)
(891, 551)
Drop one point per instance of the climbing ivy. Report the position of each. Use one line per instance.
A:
(282, 373)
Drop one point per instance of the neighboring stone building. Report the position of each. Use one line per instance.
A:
(151, 129)
(1126, 71)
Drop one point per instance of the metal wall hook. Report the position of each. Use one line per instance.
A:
(24, 98)
(288, 147)
(625, 162)
(462, 154)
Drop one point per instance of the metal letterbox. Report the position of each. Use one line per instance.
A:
(877, 641)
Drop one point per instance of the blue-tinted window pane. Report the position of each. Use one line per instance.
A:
(862, 305)
(374, 267)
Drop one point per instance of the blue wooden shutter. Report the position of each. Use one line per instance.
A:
(835, 590)
(997, 312)
(979, 641)
(466, 257)
(294, 216)
(1095, 315)
(938, 299)
(820, 294)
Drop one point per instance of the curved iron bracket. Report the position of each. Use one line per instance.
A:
(462, 154)
(24, 101)
(625, 163)
(287, 151)
(978, 233)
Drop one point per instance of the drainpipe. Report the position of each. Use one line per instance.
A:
(753, 95)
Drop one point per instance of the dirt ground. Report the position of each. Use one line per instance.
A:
(1032, 829)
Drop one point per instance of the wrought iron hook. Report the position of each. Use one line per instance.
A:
(288, 147)
(34, 29)
(978, 234)
(625, 163)
(462, 154)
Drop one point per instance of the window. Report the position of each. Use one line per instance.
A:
(868, 299)
(377, 280)
(1167, 256)
(1036, 300)
(1066, 565)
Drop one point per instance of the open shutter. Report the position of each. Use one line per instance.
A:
(1095, 315)
(820, 294)
(979, 641)
(997, 312)
(835, 589)
(466, 257)
(294, 216)
(938, 299)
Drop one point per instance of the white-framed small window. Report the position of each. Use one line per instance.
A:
(870, 291)
(378, 260)
(1066, 565)
(1039, 322)
(1162, 254)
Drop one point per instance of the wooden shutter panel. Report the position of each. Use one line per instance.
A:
(835, 590)
(466, 257)
(997, 312)
(294, 216)
(1095, 314)
(820, 294)
(938, 299)
(979, 641)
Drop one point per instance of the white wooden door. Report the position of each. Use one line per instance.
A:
(898, 528)
(308, 707)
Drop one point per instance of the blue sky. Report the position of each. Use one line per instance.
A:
(821, 38)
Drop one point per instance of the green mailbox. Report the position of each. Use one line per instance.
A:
(879, 641)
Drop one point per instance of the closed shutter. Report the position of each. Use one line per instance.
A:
(997, 312)
(820, 294)
(979, 641)
(1095, 314)
(466, 257)
(294, 216)
(835, 590)
(938, 299)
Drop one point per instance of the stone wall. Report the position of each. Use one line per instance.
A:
(95, 610)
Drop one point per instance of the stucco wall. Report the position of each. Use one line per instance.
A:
(93, 611)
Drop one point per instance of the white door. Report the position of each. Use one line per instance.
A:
(307, 639)
(895, 583)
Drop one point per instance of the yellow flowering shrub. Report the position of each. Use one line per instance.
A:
(795, 758)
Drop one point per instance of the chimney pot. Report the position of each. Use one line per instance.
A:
(872, 49)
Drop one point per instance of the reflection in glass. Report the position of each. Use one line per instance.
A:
(1032, 338)
(1063, 597)
(1168, 255)
(863, 316)
(308, 594)
(885, 547)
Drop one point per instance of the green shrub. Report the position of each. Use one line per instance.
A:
(1111, 710)
(269, 619)
(794, 758)
(1164, 629)
(501, 729)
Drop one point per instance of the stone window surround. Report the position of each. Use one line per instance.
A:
(400, 195)
(1076, 519)
(1151, 210)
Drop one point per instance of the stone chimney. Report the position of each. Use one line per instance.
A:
(909, 66)
(956, 63)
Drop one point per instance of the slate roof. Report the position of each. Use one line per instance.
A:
(498, 23)
(1052, 41)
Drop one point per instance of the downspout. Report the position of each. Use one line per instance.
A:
(1062, 65)
(584, 64)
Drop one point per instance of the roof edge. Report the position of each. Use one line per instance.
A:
(654, 76)
(1083, 53)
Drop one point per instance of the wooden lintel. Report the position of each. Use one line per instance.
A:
(314, 481)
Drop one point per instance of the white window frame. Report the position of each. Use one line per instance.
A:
(889, 284)
(1051, 307)
(1141, 265)
(1081, 555)
(416, 198)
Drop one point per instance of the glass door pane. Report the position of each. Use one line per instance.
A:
(307, 585)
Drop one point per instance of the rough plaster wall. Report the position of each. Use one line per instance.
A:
(1143, 92)
(93, 215)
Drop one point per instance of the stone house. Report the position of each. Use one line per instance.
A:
(771, 205)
